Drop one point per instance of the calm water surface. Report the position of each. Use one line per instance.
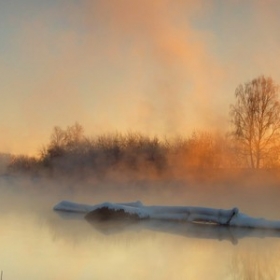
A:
(37, 243)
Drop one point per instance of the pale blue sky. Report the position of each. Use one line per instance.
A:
(159, 67)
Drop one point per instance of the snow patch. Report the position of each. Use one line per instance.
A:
(231, 217)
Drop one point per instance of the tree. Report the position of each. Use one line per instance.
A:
(63, 141)
(256, 119)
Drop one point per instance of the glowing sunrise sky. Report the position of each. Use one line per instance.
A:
(161, 67)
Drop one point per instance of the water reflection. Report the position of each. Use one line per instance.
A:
(190, 230)
(52, 246)
(255, 262)
(37, 243)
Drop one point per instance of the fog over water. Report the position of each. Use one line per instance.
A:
(35, 240)
(153, 83)
(253, 192)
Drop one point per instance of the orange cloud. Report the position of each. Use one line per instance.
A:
(140, 65)
(162, 32)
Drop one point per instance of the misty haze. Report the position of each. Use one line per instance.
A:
(139, 105)
(201, 170)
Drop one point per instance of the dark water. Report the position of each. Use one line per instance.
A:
(37, 243)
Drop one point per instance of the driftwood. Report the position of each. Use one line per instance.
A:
(192, 222)
(137, 211)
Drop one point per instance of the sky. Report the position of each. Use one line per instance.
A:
(160, 67)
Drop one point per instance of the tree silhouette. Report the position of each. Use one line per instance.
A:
(256, 119)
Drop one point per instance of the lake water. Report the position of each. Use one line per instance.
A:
(38, 243)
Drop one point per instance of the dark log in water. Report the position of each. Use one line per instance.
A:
(106, 214)
(137, 211)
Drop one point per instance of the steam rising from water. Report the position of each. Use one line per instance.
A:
(254, 193)
(159, 67)
(26, 208)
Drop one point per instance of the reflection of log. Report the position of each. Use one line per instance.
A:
(137, 211)
(190, 230)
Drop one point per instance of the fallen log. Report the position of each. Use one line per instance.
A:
(137, 211)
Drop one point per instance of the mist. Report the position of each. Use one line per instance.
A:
(163, 68)
(202, 169)
(30, 190)
(151, 82)
(254, 192)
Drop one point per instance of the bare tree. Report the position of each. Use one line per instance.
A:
(57, 137)
(256, 119)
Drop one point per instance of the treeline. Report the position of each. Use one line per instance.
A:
(252, 142)
(71, 153)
